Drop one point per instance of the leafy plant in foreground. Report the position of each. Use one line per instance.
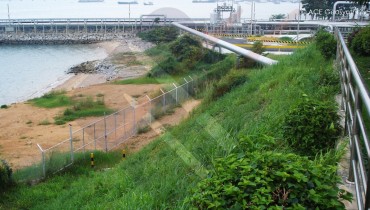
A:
(269, 180)
(311, 127)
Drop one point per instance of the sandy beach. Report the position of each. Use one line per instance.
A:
(20, 129)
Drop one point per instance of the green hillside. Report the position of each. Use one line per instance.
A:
(165, 174)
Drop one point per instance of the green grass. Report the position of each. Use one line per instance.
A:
(163, 174)
(45, 122)
(151, 80)
(82, 109)
(52, 100)
(80, 106)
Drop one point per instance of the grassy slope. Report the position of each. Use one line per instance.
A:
(162, 174)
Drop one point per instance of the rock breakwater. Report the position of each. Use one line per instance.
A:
(62, 38)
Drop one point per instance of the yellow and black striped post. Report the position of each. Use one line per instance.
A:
(123, 154)
(92, 160)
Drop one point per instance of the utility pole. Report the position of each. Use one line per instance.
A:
(299, 19)
(8, 13)
(252, 17)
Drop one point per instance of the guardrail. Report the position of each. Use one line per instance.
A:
(356, 103)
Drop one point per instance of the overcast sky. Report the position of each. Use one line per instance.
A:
(111, 9)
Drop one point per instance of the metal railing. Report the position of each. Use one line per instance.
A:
(356, 104)
(111, 131)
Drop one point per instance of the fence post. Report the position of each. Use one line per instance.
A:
(105, 133)
(71, 142)
(192, 84)
(115, 126)
(176, 93)
(150, 109)
(134, 125)
(124, 122)
(187, 88)
(94, 136)
(83, 138)
(43, 161)
(164, 99)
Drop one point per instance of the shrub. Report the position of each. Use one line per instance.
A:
(352, 35)
(4, 106)
(45, 122)
(162, 34)
(326, 43)
(361, 42)
(249, 63)
(233, 79)
(5, 175)
(168, 66)
(184, 47)
(258, 47)
(311, 127)
(144, 129)
(269, 180)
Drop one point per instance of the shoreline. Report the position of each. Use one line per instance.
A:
(70, 81)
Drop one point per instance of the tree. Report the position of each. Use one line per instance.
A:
(277, 16)
(361, 2)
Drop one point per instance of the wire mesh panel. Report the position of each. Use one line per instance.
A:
(58, 157)
(143, 116)
(112, 130)
(182, 93)
(100, 133)
(158, 107)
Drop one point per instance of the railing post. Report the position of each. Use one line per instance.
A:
(43, 161)
(71, 142)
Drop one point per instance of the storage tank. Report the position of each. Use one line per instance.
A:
(214, 18)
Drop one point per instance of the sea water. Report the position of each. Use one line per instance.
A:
(28, 71)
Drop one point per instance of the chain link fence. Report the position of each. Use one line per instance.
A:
(109, 132)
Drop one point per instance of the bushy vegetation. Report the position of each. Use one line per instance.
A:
(326, 43)
(269, 180)
(231, 80)
(4, 106)
(358, 40)
(6, 175)
(166, 172)
(182, 56)
(161, 34)
(312, 127)
(361, 42)
(249, 63)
